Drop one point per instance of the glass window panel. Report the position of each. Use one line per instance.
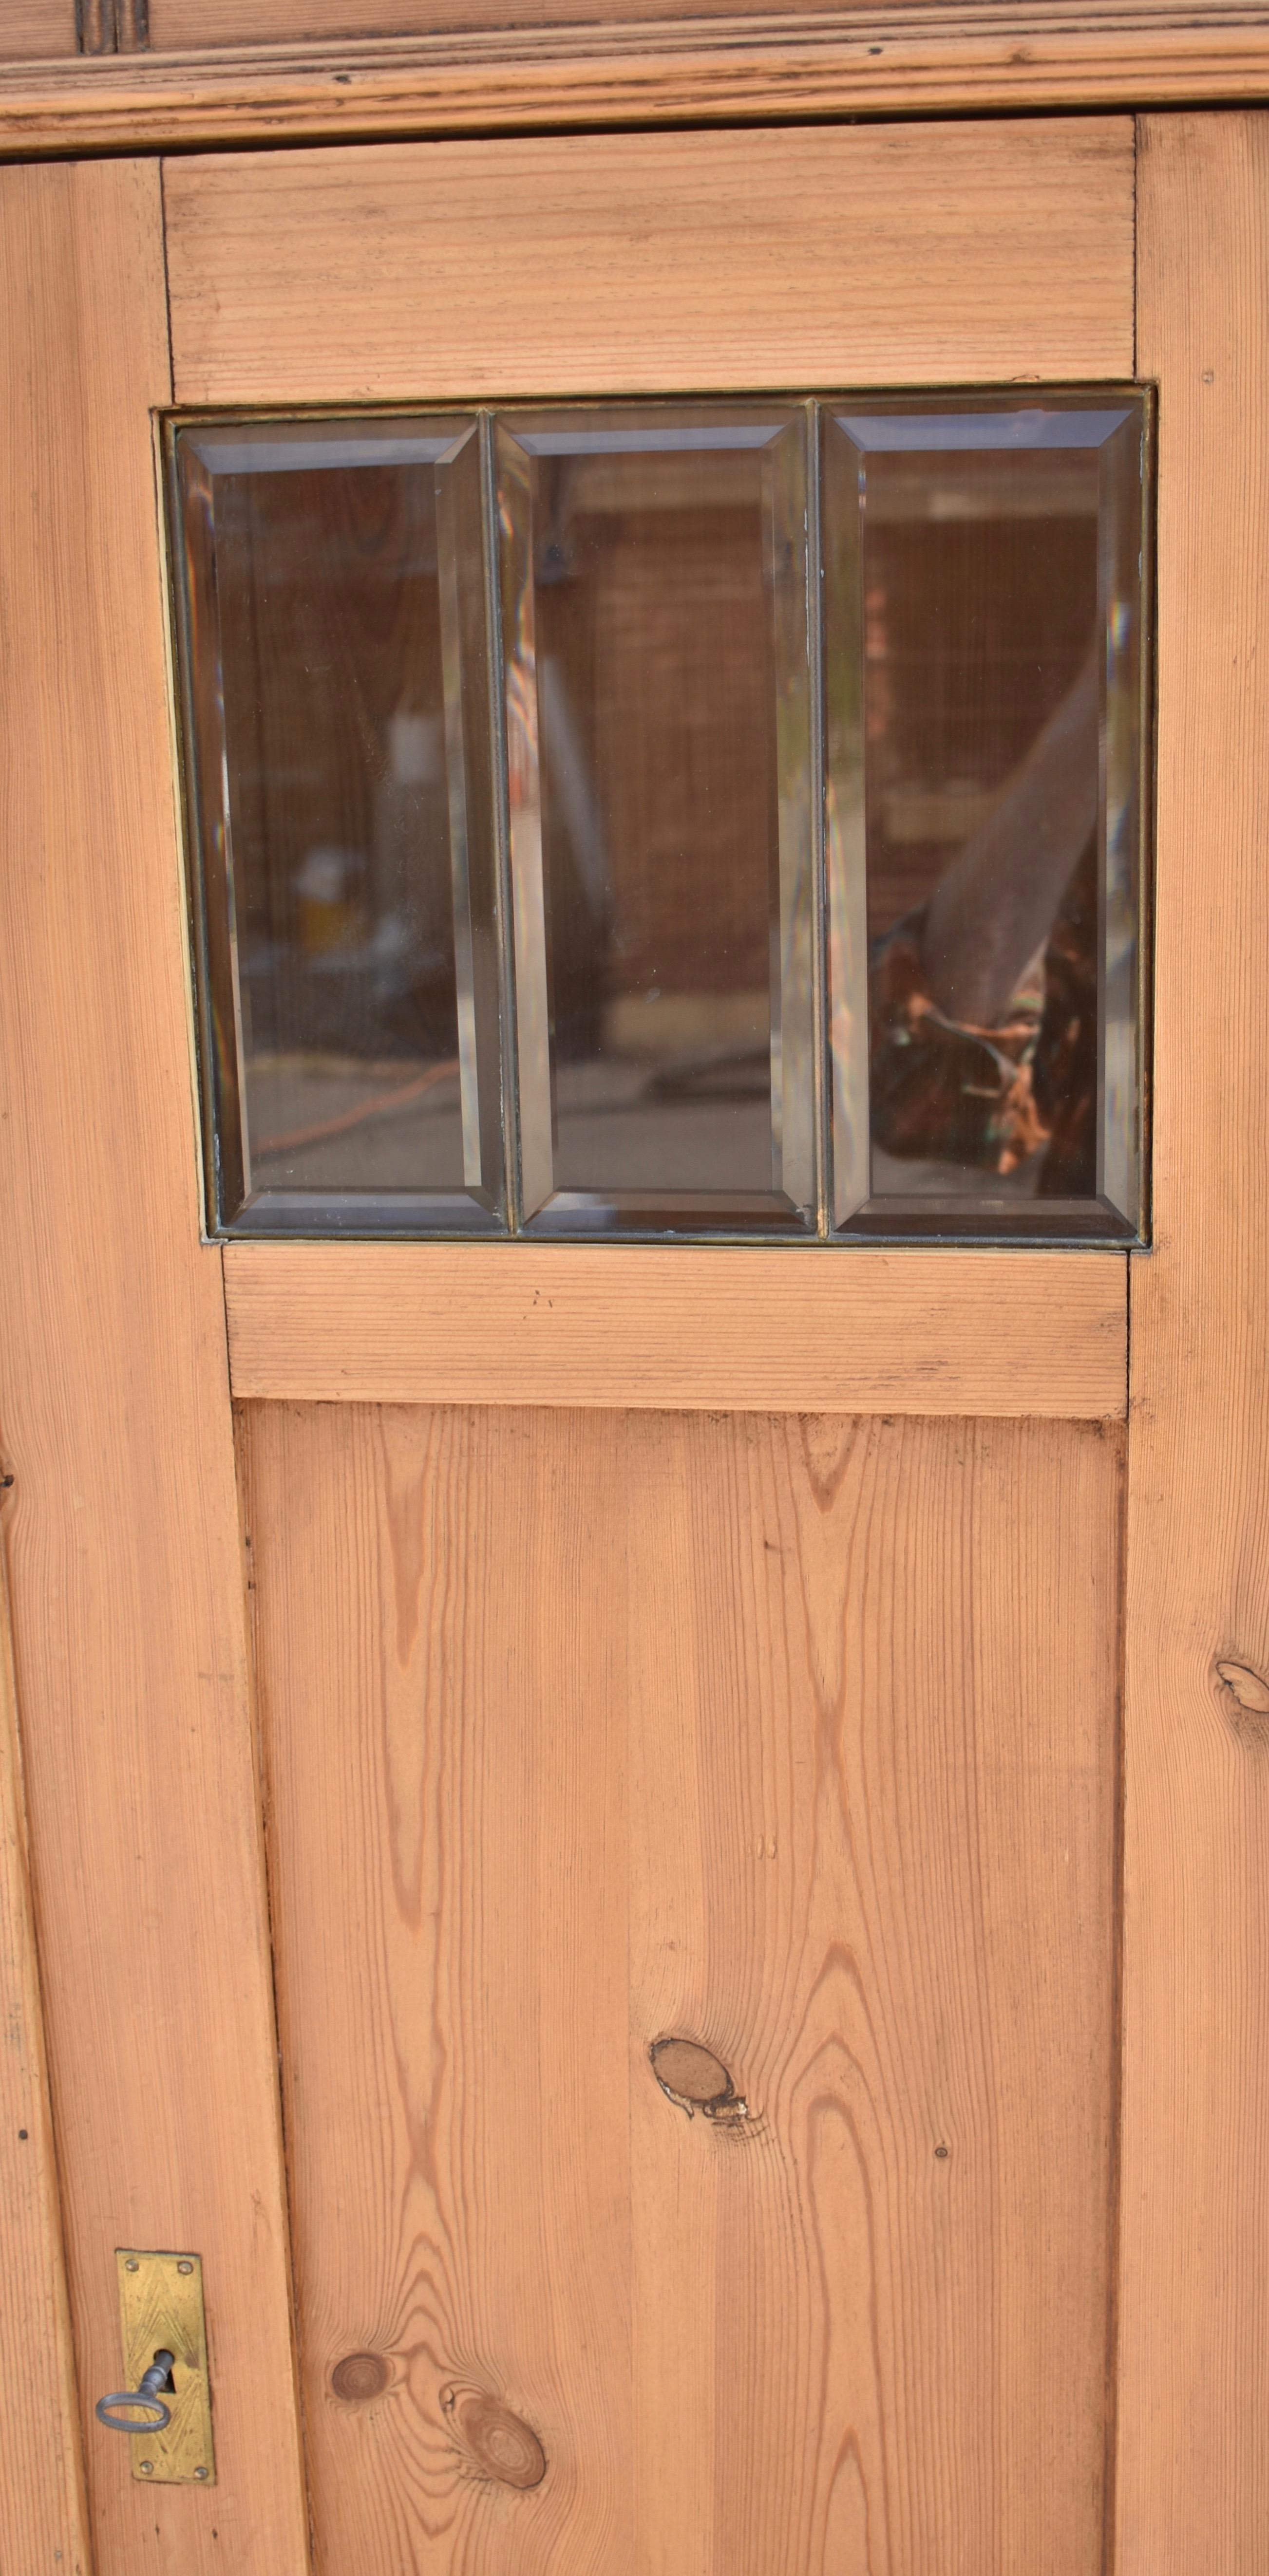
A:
(337, 690)
(983, 563)
(651, 759)
(654, 602)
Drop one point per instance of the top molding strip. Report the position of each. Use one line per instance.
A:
(918, 60)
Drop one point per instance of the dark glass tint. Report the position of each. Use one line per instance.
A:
(337, 687)
(983, 656)
(654, 603)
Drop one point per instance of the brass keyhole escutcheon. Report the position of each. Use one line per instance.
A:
(165, 2361)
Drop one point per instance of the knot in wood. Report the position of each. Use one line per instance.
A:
(359, 2376)
(1247, 1706)
(1247, 1687)
(690, 2074)
(500, 2443)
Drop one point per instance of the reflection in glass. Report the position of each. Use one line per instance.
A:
(983, 602)
(657, 703)
(510, 717)
(336, 672)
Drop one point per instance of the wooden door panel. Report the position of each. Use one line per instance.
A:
(792, 257)
(797, 1738)
(437, 1663)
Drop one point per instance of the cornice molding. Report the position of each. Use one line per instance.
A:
(900, 61)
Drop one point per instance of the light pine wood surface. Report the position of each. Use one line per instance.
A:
(43, 2510)
(1193, 2481)
(654, 262)
(920, 60)
(795, 1739)
(33, 30)
(204, 23)
(959, 1331)
(123, 1539)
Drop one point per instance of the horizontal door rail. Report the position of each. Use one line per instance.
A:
(681, 1327)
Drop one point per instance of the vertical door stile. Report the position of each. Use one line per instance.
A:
(1193, 2467)
(43, 2509)
(124, 1549)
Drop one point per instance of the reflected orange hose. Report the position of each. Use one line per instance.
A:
(405, 1091)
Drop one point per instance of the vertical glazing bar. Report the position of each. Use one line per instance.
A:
(524, 811)
(1122, 572)
(221, 1048)
(449, 568)
(509, 1098)
(819, 907)
(237, 1046)
(784, 501)
(845, 844)
(776, 889)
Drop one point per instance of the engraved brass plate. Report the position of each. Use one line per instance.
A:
(161, 2310)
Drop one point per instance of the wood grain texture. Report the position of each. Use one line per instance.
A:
(957, 1331)
(797, 1740)
(917, 61)
(204, 24)
(124, 1551)
(199, 25)
(1194, 2370)
(43, 2509)
(35, 30)
(797, 257)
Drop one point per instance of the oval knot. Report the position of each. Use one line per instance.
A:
(359, 2376)
(501, 2443)
(690, 2074)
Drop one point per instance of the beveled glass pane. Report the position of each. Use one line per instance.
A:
(654, 601)
(336, 665)
(983, 589)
